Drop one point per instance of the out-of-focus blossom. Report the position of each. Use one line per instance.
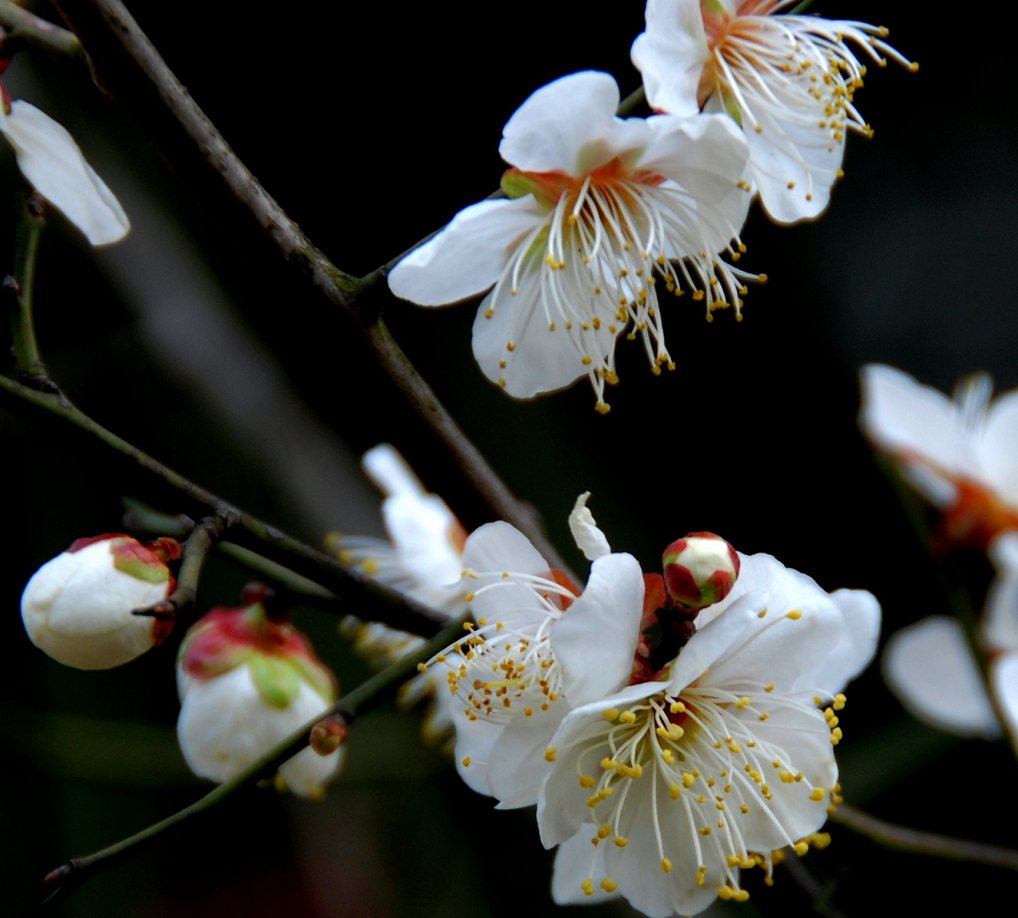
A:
(663, 791)
(246, 682)
(787, 80)
(424, 559)
(54, 165)
(959, 453)
(78, 606)
(540, 648)
(931, 669)
(602, 212)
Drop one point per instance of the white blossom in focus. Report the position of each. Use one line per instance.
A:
(602, 211)
(54, 165)
(77, 607)
(246, 683)
(540, 648)
(665, 790)
(787, 80)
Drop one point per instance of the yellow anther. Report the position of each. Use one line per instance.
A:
(705, 831)
(839, 702)
(763, 715)
(510, 346)
(609, 886)
(674, 791)
(610, 714)
(423, 668)
(800, 848)
(550, 753)
(677, 707)
(688, 779)
(528, 712)
(604, 831)
(588, 887)
(620, 841)
(666, 865)
(743, 702)
(587, 781)
(466, 762)
(740, 895)
(627, 717)
(818, 793)
(794, 615)
(701, 874)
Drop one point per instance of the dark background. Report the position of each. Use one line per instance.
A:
(372, 126)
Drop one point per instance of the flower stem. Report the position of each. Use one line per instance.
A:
(386, 605)
(26, 27)
(365, 697)
(903, 838)
(20, 288)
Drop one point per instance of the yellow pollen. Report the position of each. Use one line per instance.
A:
(701, 874)
(627, 717)
(666, 865)
(550, 753)
(610, 714)
(620, 841)
(800, 848)
(510, 346)
(674, 791)
(839, 702)
(794, 615)
(609, 886)
(466, 762)
(588, 887)
(677, 707)
(688, 779)
(423, 668)
(587, 781)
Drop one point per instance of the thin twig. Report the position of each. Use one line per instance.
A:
(916, 841)
(28, 28)
(143, 519)
(131, 68)
(20, 288)
(368, 695)
(199, 544)
(386, 605)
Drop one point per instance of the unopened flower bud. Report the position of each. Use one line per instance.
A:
(78, 607)
(246, 682)
(699, 570)
(328, 735)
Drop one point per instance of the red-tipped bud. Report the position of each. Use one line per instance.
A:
(78, 607)
(699, 570)
(328, 735)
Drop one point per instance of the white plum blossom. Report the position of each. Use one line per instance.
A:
(788, 80)
(246, 683)
(78, 606)
(960, 453)
(930, 665)
(540, 647)
(54, 165)
(424, 559)
(663, 791)
(602, 212)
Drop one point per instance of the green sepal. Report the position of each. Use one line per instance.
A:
(277, 680)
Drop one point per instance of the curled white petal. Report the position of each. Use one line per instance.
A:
(52, 162)
(588, 537)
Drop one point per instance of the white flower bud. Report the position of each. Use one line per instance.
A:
(77, 608)
(246, 683)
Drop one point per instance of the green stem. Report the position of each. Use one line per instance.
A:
(904, 838)
(373, 600)
(143, 519)
(365, 697)
(22, 288)
(25, 27)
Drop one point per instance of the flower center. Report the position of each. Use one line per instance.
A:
(502, 668)
(592, 266)
(704, 760)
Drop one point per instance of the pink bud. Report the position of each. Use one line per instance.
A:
(699, 570)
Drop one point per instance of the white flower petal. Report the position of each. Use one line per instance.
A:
(1004, 678)
(1000, 616)
(929, 667)
(468, 255)
(671, 55)
(913, 421)
(517, 766)
(475, 740)
(588, 537)
(997, 447)
(578, 860)
(562, 126)
(52, 162)
(595, 640)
